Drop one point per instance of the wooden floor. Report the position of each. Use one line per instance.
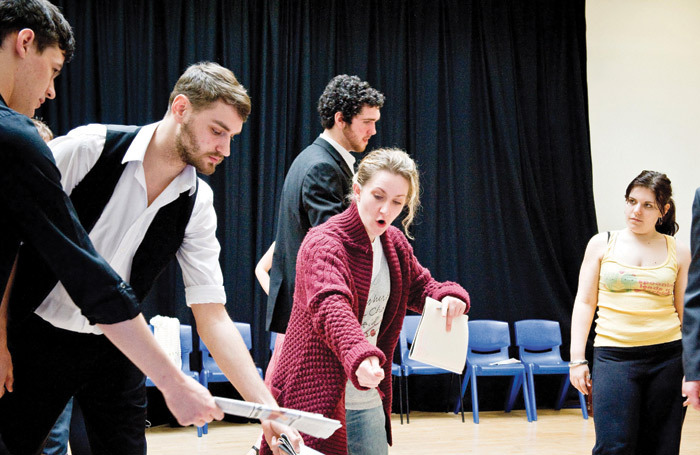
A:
(555, 432)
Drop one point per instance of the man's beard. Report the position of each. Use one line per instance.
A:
(356, 143)
(188, 150)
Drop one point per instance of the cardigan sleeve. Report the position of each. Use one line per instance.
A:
(324, 279)
(423, 285)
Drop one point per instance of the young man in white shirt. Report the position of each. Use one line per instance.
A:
(137, 194)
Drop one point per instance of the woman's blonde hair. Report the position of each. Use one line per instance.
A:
(397, 162)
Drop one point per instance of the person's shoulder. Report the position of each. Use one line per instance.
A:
(313, 156)
(20, 139)
(93, 132)
(598, 243)
(396, 237)
(16, 128)
(89, 130)
(325, 239)
(683, 254)
(205, 195)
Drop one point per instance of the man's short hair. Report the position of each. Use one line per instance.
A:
(205, 83)
(347, 95)
(43, 18)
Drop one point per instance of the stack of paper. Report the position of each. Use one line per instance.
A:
(312, 424)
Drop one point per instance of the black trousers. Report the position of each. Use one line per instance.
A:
(50, 366)
(637, 399)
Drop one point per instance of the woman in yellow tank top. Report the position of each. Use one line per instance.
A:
(636, 278)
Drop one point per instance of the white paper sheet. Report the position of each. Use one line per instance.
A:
(312, 424)
(434, 345)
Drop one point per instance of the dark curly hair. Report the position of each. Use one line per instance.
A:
(43, 18)
(347, 95)
(660, 185)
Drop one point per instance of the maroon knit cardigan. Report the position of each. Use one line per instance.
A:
(324, 343)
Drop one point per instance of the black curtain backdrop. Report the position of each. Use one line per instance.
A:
(489, 97)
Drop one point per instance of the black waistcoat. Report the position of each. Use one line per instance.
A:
(162, 240)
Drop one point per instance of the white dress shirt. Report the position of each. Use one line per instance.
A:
(126, 218)
(344, 154)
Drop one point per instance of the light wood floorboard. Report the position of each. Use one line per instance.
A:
(555, 432)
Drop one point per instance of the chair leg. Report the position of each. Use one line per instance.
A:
(584, 408)
(475, 400)
(204, 380)
(529, 384)
(515, 384)
(461, 403)
(465, 382)
(528, 396)
(400, 400)
(563, 389)
(408, 411)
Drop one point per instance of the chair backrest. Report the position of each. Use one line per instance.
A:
(410, 326)
(244, 329)
(408, 333)
(488, 341)
(185, 345)
(538, 340)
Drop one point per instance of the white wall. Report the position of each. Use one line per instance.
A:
(644, 100)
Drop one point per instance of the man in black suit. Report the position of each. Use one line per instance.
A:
(318, 182)
(691, 315)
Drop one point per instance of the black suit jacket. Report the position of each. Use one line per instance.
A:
(691, 314)
(314, 189)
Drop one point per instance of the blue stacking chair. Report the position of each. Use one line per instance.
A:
(538, 341)
(211, 371)
(413, 367)
(185, 350)
(488, 344)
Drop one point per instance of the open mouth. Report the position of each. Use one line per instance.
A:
(381, 222)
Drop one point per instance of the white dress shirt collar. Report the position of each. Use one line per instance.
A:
(344, 154)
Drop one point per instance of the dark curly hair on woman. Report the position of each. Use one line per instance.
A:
(347, 95)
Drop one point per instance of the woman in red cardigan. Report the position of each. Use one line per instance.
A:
(356, 275)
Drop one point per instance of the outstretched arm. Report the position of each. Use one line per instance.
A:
(189, 401)
(225, 343)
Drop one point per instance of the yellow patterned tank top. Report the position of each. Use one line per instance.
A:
(635, 304)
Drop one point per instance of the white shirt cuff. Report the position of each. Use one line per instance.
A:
(205, 294)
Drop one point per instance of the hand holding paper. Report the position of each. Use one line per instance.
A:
(452, 307)
(436, 346)
(273, 432)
